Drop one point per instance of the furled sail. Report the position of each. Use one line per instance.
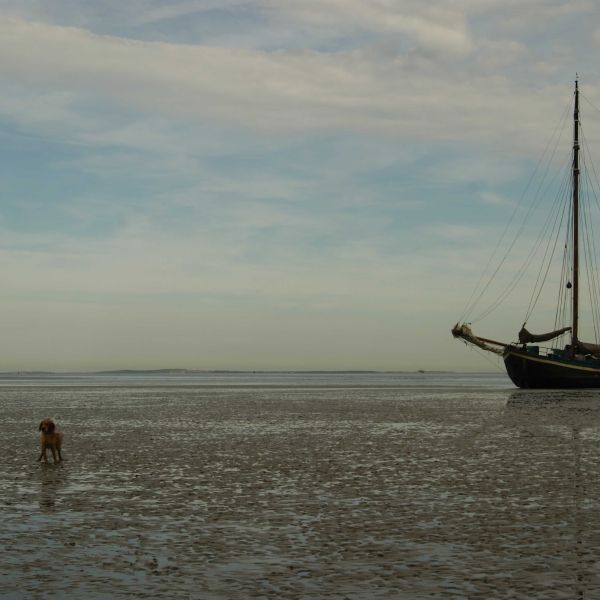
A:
(465, 333)
(525, 337)
(586, 348)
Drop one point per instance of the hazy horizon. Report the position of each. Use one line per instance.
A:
(233, 371)
(253, 185)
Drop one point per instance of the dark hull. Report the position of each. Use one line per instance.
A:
(530, 371)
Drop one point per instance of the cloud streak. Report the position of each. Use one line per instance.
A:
(279, 91)
(326, 172)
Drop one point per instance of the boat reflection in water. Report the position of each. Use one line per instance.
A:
(561, 430)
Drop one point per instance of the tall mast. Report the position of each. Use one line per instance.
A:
(574, 332)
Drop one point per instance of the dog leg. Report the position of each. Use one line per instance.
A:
(53, 454)
(43, 454)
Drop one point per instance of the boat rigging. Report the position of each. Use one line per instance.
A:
(570, 362)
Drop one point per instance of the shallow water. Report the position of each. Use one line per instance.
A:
(300, 486)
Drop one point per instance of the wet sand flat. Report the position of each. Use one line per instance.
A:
(301, 492)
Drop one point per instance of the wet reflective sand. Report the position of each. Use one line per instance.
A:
(301, 492)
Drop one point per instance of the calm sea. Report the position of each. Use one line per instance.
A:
(300, 486)
(267, 379)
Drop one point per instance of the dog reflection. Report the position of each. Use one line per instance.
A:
(51, 483)
(49, 438)
(49, 488)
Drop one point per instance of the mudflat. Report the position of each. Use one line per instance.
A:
(304, 492)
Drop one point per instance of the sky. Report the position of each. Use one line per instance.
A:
(250, 184)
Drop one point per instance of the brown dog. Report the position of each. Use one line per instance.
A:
(50, 439)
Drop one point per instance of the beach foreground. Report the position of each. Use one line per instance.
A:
(301, 491)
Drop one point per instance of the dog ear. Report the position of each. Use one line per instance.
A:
(40, 427)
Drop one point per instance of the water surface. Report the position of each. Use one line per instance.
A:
(300, 486)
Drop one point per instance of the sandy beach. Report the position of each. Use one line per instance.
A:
(223, 492)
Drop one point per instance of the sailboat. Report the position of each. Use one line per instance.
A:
(568, 362)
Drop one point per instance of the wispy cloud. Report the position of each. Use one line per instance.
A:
(285, 91)
(495, 199)
(433, 27)
(329, 172)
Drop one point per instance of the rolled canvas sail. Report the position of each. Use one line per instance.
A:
(525, 337)
(589, 348)
(465, 333)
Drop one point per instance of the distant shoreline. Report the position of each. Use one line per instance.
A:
(229, 371)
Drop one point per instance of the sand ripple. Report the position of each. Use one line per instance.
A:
(301, 493)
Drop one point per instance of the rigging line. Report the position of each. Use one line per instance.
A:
(593, 186)
(582, 95)
(594, 287)
(593, 169)
(515, 281)
(589, 231)
(486, 356)
(542, 280)
(561, 304)
(546, 228)
(559, 218)
(559, 129)
(591, 265)
(568, 304)
(546, 233)
(586, 248)
(568, 270)
(525, 266)
(593, 292)
(519, 274)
